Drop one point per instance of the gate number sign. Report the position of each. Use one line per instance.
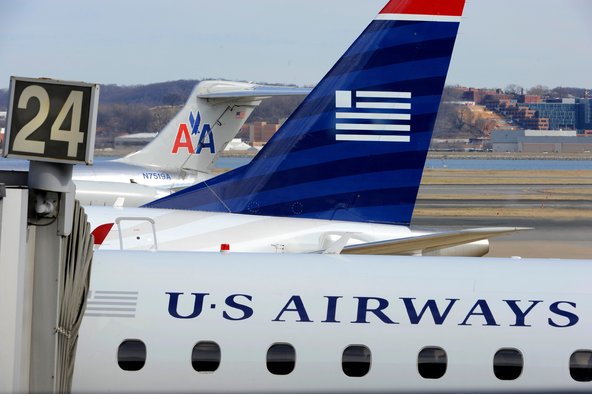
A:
(51, 120)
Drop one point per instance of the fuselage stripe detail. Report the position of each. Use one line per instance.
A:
(108, 315)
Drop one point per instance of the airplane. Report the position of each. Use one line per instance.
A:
(182, 153)
(340, 176)
(263, 323)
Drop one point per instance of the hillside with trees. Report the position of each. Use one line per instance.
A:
(147, 108)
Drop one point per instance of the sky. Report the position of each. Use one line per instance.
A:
(128, 42)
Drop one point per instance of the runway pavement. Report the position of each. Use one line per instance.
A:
(557, 205)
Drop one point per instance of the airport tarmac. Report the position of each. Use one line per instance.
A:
(557, 205)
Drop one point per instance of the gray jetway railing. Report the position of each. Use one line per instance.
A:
(44, 279)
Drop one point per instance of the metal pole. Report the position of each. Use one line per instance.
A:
(53, 198)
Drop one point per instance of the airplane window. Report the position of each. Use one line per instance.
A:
(356, 360)
(205, 356)
(131, 355)
(507, 364)
(281, 359)
(580, 366)
(432, 362)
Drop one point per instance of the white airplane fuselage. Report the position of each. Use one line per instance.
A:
(320, 305)
(109, 180)
(105, 183)
(176, 230)
(114, 171)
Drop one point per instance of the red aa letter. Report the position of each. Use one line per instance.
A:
(183, 139)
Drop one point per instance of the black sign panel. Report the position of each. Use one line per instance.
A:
(51, 120)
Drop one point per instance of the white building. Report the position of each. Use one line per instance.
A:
(540, 141)
(133, 140)
(237, 145)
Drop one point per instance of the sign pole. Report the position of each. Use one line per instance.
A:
(52, 186)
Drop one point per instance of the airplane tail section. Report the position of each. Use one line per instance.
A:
(210, 119)
(355, 148)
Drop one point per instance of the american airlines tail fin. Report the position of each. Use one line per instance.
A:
(355, 148)
(211, 117)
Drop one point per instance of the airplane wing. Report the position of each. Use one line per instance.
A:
(429, 242)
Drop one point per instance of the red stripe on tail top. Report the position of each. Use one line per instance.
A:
(425, 7)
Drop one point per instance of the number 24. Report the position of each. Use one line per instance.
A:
(73, 136)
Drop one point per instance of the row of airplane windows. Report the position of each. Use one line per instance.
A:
(356, 360)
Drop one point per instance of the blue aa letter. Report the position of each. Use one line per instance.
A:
(298, 307)
(197, 305)
(206, 132)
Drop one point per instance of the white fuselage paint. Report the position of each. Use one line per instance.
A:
(105, 183)
(108, 181)
(256, 300)
(178, 230)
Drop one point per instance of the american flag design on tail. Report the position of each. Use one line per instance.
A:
(375, 113)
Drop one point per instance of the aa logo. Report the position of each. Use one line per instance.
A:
(183, 139)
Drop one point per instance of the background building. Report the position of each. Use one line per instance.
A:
(258, 133)
(135, 141)
(562, 114)
(533, 112)
(585, 114)
(541, 141)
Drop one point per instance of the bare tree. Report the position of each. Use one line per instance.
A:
(540, 90)
(464, 117)
(514, 89)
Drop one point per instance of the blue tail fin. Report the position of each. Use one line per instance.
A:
(355, 148)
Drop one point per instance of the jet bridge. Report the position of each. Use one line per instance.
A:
(45, 239)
